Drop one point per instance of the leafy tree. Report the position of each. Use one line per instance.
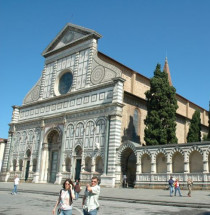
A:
(194, 134)
(161, 110)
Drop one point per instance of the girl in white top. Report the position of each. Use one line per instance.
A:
(65, 199)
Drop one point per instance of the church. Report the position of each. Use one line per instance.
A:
(78, 121)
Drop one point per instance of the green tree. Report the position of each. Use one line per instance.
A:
(161, 110)
(194, 134)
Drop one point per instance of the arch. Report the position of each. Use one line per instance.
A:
(78, 150)
(128, 165)
(174, 151)
(196, 162)
(100, 132)
(99, 164)
(178, 162)
(90, 128)
(161, 164)
(146, 163)
(28, 153)
(70, 130)
(125, 146)
(69, 136)
(88, 163)
(79, 130)
(89, 134)
(194, 148)
(50, 133)
(51, 154)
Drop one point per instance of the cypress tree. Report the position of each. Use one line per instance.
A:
(194, 134)
(161, 110)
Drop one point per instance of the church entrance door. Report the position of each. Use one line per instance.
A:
(78, 169)
(54, 166)
(27, 170)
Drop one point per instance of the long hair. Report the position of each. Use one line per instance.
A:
(70, 182)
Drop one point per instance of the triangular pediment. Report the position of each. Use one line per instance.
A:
(70, 35)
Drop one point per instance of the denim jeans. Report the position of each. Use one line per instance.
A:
(92, 212)
(14, 189)
(171, 190)
(66, 212)
(178, 188)
(76, 195)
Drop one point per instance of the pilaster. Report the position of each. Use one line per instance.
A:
(37, 173)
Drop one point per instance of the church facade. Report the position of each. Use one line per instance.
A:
(79, 120)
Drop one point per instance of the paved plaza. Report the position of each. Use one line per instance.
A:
(41, 198)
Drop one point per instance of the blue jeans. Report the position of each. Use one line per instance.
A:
(171, 190)
(76, 195)
(66, 212)
(93, 212)
(14, 189)
(178, 188)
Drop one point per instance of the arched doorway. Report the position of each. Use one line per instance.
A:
(196, 162)
(28, 155)
(177, 163)
(50, 156)
(78, 159)
(128, 166)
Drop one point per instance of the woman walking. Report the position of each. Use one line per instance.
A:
(189, 186)
(65, 199)
(177, 187)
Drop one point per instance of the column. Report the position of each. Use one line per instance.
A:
(106, 145)
(205, 167)
(59, 174)
(169, 164)
(38, 166)
(153, 164)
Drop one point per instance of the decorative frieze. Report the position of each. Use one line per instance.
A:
(79, 102)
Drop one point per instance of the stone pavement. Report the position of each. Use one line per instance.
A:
(199, 199)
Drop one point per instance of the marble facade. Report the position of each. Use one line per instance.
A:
(80, 127)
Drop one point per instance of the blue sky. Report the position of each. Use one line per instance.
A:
(137, 33)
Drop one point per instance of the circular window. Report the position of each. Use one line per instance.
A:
(65, 83)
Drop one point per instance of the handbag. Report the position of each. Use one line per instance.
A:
(59, 211)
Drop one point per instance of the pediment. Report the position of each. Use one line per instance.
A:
(70, 35)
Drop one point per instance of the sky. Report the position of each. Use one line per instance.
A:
(136, 33)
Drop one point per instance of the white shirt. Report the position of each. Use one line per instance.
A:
(64, 203)
(91, 201)
(16, 181)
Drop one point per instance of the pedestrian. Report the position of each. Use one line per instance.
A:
(77, 189)
(16, 182)
(124, 181)
(189, 186)
(171, 185)
(177, 187)
(90, 202)
(65, 198)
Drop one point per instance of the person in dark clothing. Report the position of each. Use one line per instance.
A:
(171, 185)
